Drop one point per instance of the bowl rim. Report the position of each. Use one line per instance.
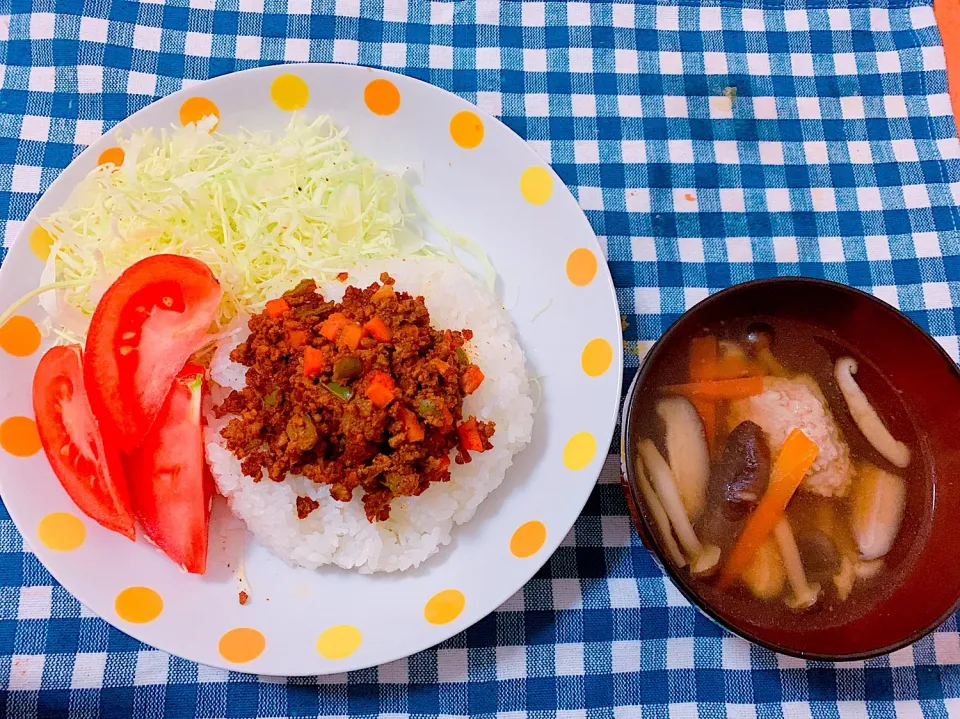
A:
(650, 540)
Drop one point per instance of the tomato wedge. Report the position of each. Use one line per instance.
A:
(168, 480)
(144, 329)
(87, 466)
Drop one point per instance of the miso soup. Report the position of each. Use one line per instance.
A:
(783, 474)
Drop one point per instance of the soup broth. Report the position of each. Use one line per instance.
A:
(856, 516)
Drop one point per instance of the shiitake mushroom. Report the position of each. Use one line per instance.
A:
(744, 469)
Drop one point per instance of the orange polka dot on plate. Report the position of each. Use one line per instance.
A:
(527, 539)
(112, 155)
(579, 451)
(138, 605)
(339, 642)
(61, 532)
(581, 267)
(536, 185)
(382, 97)
(19, 336)
(196, 108)
(40, 242)
(443, 607)
(242, 644)
(19, 437)
(466, 129)
(289, 92)
(596, 357)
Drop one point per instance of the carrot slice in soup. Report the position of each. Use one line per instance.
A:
(736, 366)
(718, 389)
(703, 357)
(797, 454)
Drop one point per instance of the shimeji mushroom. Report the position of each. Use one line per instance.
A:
(702, 557)
(851, 567)
(869, 569)
(866, 416)
(759, 338)
(846, 577)
(877, 506)
(764, 576)
(659, 517)
(687, 452)
(837, 528)
(804, 594)
(852, 570)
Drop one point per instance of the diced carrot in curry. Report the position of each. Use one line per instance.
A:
(378, 329)
(312, 361)
(469, 434)
(332, 325)
(447, 419)
(413, 427)
(350, 335)
(277, 307)
(381, 389)
(471, 379)
(297, 338)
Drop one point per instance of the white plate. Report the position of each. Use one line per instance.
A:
(482, 192)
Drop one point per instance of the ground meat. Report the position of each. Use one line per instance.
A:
(358, 394)
(305, 505)
(798, 403)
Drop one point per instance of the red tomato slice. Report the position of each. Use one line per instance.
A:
(146, 326)
(168, 480)
(87, 466)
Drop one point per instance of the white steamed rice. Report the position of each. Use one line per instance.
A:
(338, 532)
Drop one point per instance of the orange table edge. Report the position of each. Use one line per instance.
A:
(948, 20)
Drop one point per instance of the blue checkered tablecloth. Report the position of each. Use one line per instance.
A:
(708, 143)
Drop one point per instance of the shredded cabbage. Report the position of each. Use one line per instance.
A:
(262, 211)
